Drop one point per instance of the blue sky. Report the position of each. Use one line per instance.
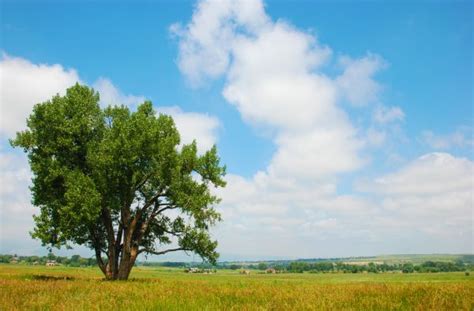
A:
(392, 80)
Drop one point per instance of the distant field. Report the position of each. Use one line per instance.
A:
(61, 288)
(416, 259)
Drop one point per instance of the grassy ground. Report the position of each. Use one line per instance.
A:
(60, 288)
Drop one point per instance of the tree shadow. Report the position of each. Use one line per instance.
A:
(42, 277)
(135, 280)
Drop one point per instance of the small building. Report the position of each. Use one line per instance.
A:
(14, 260)
(51, 263)
(270, 271)
(192, 270)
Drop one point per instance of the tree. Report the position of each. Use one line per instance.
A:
(118, 181)
(408, 268)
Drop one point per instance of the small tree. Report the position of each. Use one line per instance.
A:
(262, 266)
(118, 181)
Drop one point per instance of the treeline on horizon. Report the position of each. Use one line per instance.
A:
(332, 267)
(463, 263)
(73, 261)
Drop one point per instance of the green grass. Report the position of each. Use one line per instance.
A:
(62, 288)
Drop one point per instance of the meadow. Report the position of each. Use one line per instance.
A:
(64, 288)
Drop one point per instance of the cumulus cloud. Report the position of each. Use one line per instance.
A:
(274, 75)
(274, 79)
(430, 174)
(14, 181)
(429, 198)
(16, 209)
(271, 69)
(24, 84)
(194, 126)
(271, 82)
(206, 41)
(424, 206)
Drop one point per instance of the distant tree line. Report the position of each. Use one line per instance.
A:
(465, 263)
(300, 266)
(325, 267)
(73, 261)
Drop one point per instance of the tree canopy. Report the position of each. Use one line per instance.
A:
(118, 181)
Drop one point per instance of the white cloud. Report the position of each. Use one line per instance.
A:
(429, 199)
(462, 137)
(14, 180)
(384, 115)
(15, 207)
(270, 68)
(356, 82)
(430, 174)
(317, 153)
(425, 206)
(273, 79)
(206, 41)
(274, 76)
(191, 125)
(24, 84)
(16, 210)
(271, 82)
(111, 95)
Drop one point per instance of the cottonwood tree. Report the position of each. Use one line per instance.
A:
(118, 181)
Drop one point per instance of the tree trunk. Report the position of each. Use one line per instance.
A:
(122, 256)
(118, 272)
(126, 264)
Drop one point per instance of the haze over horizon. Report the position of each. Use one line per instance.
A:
(347, 129)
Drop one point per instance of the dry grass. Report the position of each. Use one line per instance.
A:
(42, 288)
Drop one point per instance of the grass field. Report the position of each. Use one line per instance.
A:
(62, 288)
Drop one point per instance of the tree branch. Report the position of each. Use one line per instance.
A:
(168, 206)
(175, 233)
(147, 250)
(140, 184)
(100, 262)
(144, 226)
(151, 201)
(98, 250)
(107, 218)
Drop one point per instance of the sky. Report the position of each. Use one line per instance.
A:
(346, 126)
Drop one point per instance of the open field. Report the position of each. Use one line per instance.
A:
(61, 288)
